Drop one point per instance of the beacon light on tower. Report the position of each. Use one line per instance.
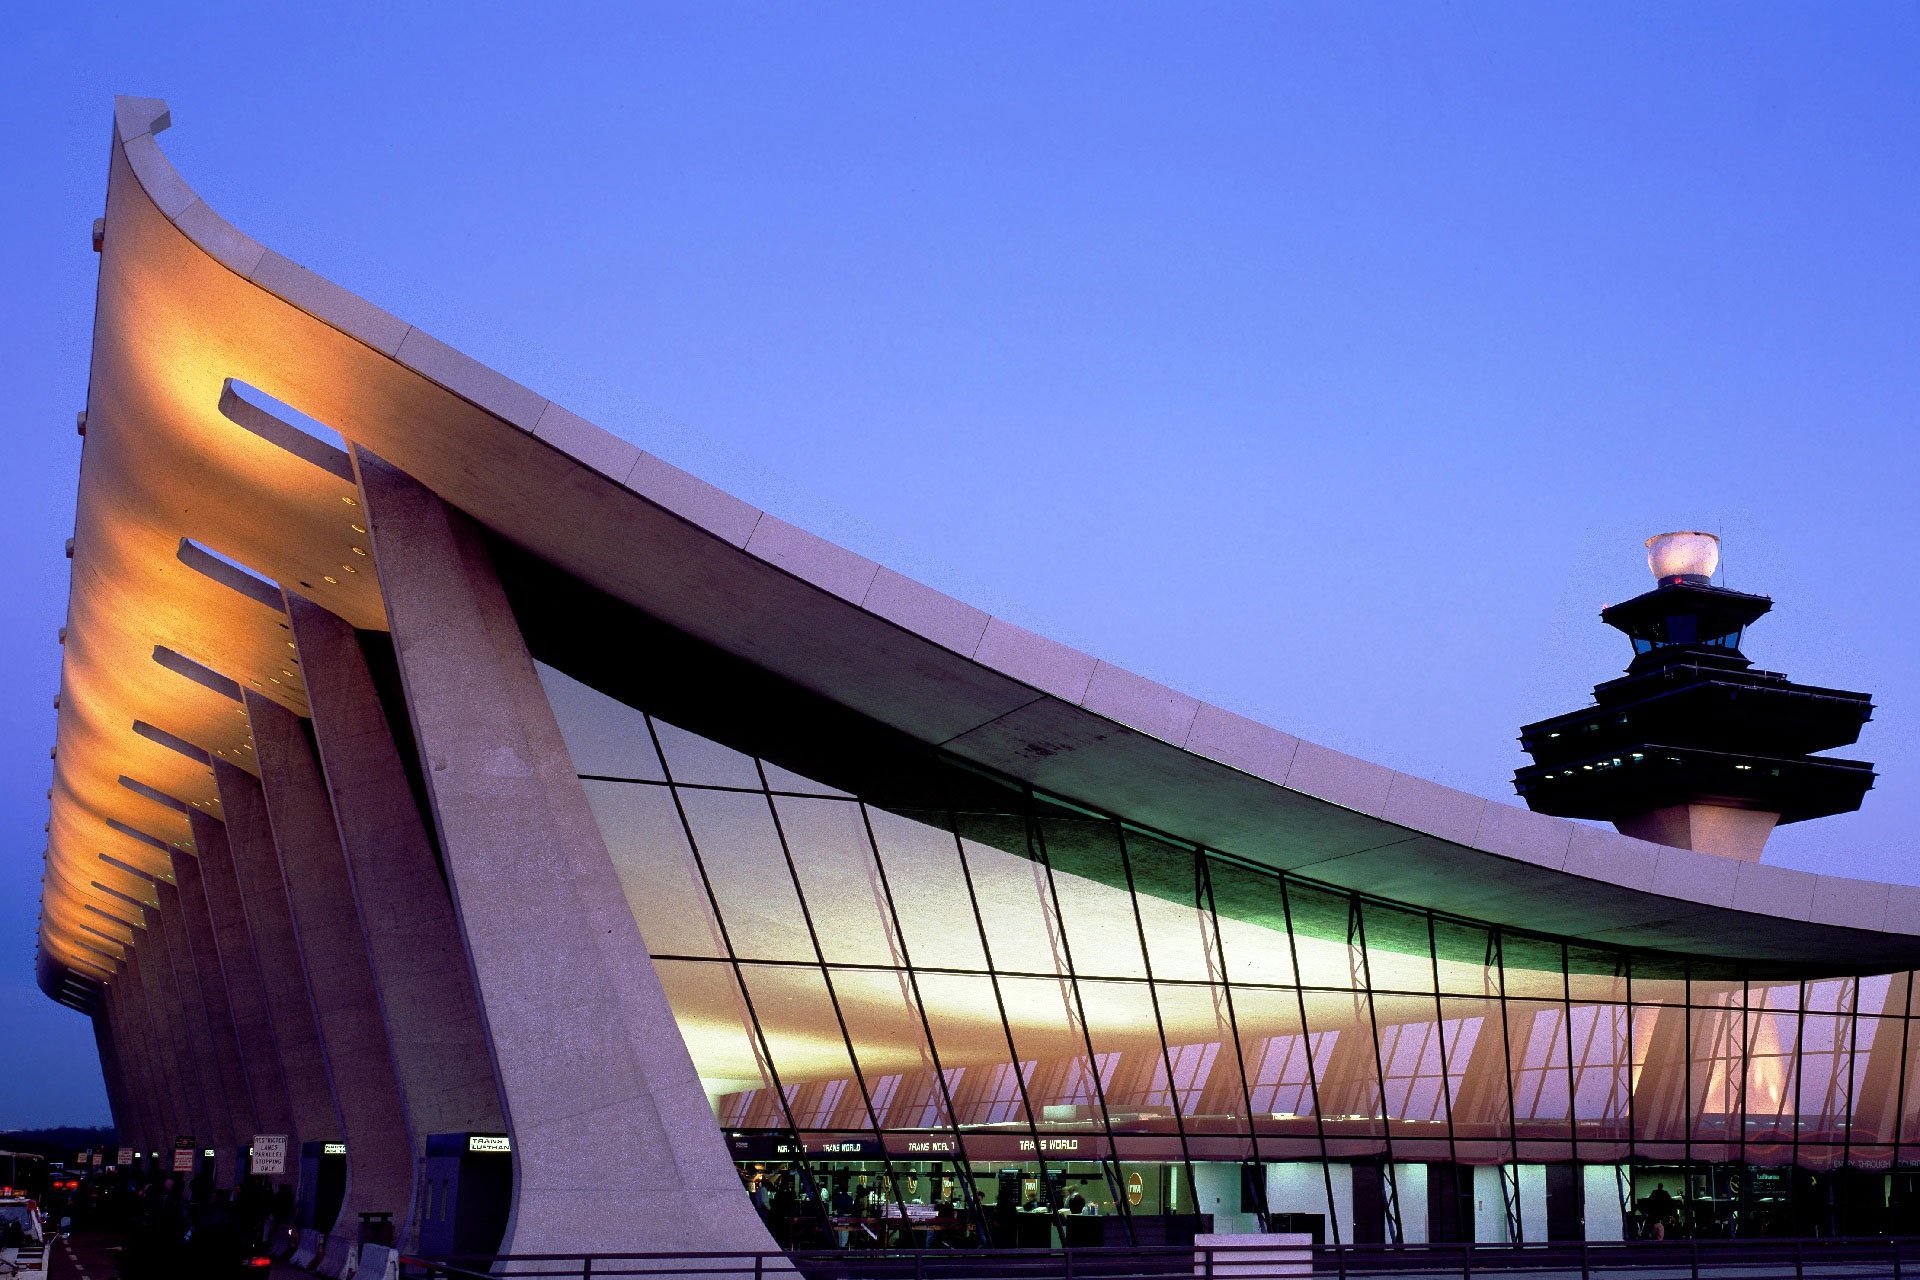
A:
(1693, 746)
(1683, 557)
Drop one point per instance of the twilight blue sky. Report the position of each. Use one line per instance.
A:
(1327, 361)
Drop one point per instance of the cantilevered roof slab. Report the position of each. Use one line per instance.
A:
(188, 303)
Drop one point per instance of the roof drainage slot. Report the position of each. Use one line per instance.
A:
(229, 572)
(282, 425)
(180, 664)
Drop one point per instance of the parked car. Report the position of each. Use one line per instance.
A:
(23, 1239)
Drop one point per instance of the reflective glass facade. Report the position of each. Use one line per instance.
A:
(1006, 996)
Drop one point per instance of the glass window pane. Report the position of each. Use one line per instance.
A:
(1060, 1081)
(1770, 1066)
(1477, 1078)
(972, 1043)
(1596, 974)
(923, 867)
(1466, 957)
(1174, 916)
(779, 779)
(1533, 968)
(649, 849)
(713, 1020)
(1399, 952)
(1716, 1066)
(831, 854)
(803, 1039)
(1352, 1106)
(890, 1046)
(1253, 927)
(701, 762)
(1876, 1078)
(1090, 882)
(1120, 1022)
(1657, 979)
(1537, 1041)
(1417, 1062)
(1827, 1077)
(1659, 1072)
(1016, 905)
(604, 735)
(1322, 930)
(1600, 1055)
(1276, 1054)
(734, 834)
(1204, 1059)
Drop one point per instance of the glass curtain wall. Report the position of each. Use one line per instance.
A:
(966, 1023)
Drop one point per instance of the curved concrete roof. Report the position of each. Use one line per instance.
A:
(187, 303)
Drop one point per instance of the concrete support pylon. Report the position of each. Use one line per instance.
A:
(118, 1103)
(136, 1062)
(380, 1166)
(420, 971)
(252, 1024)
(170, 1111)
(615, 1144)
(283, 979)
(126, 1006)
(170, 1037)
(235, 1092)
(218, 1132)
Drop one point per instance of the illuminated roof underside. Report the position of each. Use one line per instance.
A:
(188, 304)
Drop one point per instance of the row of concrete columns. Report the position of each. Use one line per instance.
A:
(331, 963)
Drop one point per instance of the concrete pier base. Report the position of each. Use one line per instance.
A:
(339, 975)
(259, 1053)
(419, 967)
(615, 1148)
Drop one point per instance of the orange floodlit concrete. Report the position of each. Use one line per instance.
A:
(323, 863)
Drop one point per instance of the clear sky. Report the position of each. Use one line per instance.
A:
(1327, 361)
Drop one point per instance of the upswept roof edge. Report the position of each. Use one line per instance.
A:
(951, 674)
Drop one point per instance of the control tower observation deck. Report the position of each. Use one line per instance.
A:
(1694, 746)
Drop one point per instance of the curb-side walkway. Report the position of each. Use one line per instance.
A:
(94, 1255)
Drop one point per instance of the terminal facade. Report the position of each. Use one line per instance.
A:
(563, 856)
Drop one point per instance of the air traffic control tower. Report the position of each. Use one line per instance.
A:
(1694, 746)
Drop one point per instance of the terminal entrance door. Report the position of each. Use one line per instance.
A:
(1450, 1203)
(1566, 1203)
(1369, 1204)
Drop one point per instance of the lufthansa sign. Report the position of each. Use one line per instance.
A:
(489, 1142)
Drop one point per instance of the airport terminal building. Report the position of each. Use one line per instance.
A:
(563, 855)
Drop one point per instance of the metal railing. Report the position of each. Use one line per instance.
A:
(1832, 1258)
